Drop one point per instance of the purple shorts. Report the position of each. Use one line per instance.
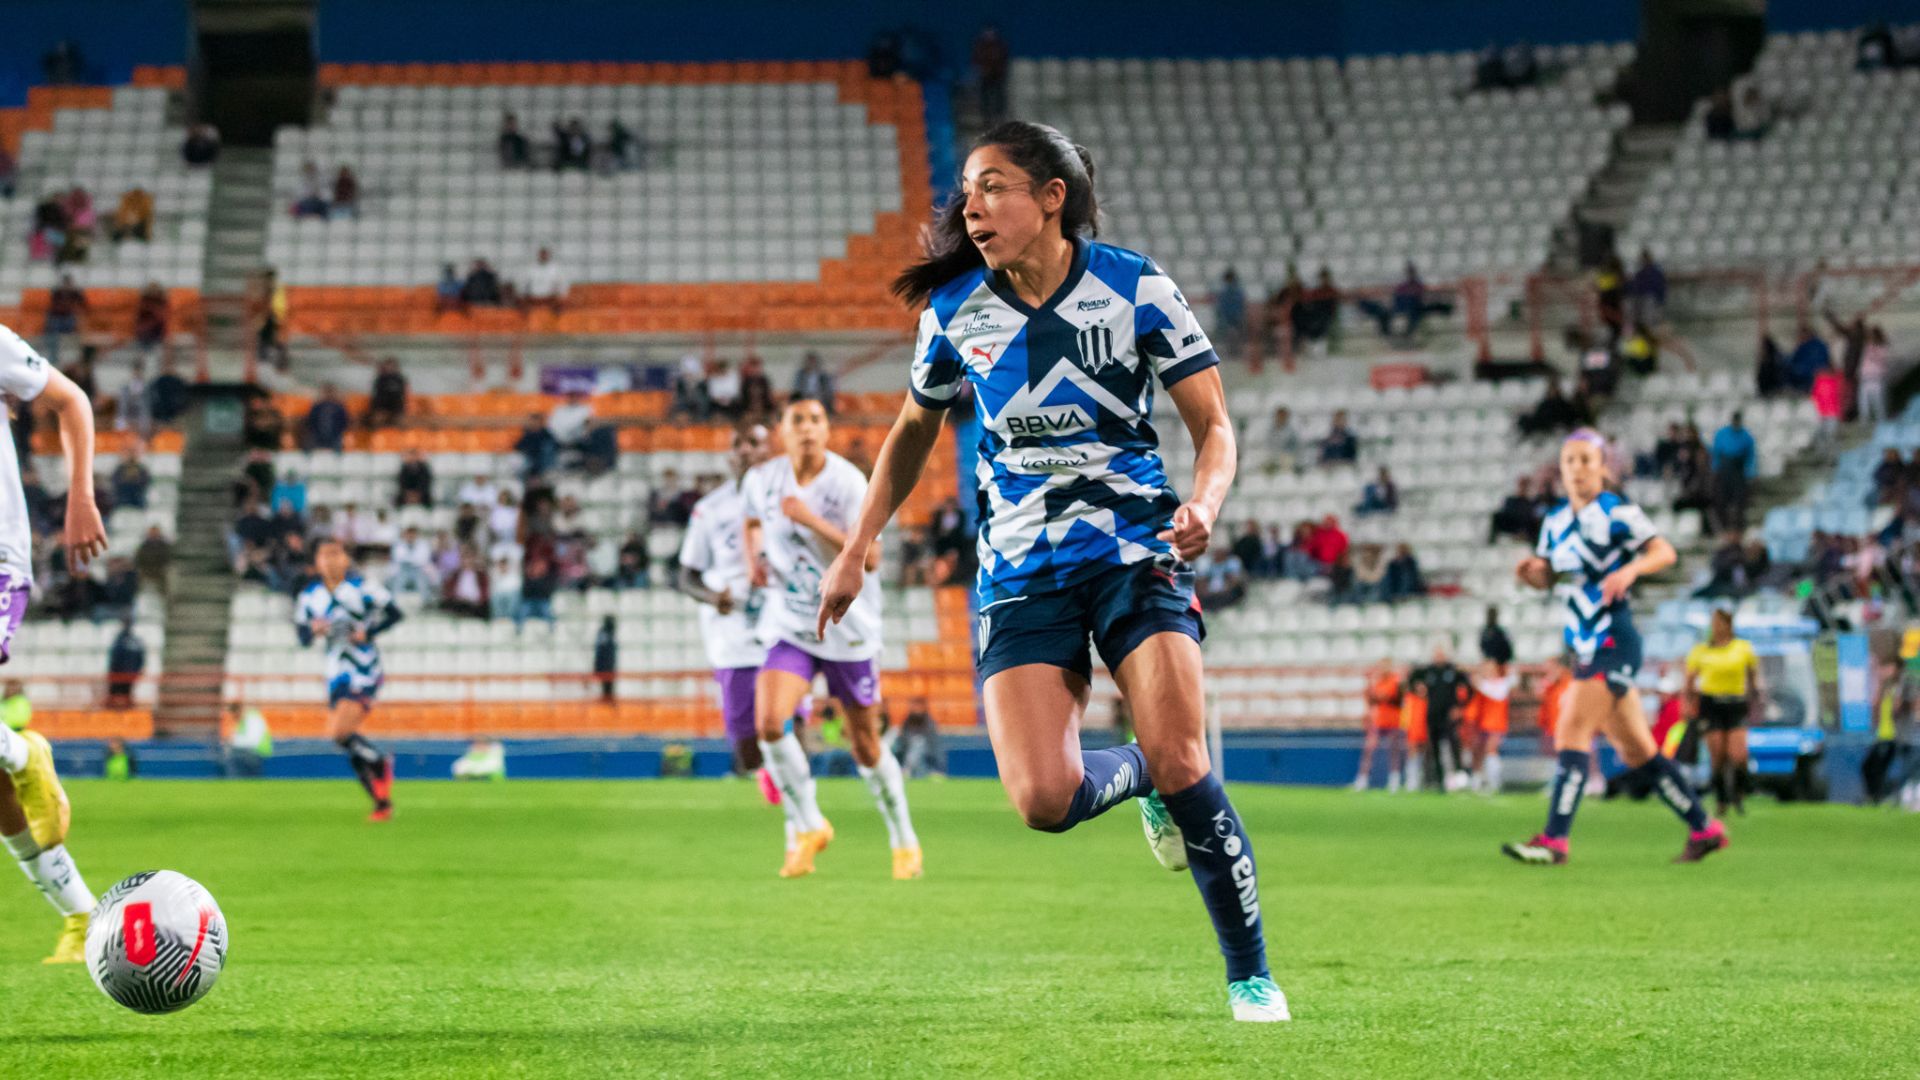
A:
(13, 608)
(854, 682)
(736, 700)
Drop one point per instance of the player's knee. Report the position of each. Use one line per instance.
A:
(1178, 765)
(1043, 806)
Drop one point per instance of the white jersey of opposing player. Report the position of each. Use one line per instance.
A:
(715, 548)
(797, 559)
(23, 374)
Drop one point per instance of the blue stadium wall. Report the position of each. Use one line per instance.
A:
(113, 36)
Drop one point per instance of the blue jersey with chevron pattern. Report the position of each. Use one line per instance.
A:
(1585, 546)
(353, 668)
(1070, 478)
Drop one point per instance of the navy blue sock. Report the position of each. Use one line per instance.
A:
(1109, 777)
(1221, 859)
(1569, 783)
(1660, 773)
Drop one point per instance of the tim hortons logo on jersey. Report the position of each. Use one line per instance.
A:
(980, 322)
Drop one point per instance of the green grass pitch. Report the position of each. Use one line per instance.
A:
(602, 929)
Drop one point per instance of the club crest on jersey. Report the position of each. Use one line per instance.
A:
(1096, 347)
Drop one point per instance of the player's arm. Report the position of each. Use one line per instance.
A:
(384, 619)
(752, 543)
(85, 537)
(1202, 402)
(903, 458)
(687, 580)
(306, 625)
(1656, 555)
(1756, 686)
(1691, 693)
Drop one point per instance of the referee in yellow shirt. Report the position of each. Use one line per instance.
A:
(1723, 691)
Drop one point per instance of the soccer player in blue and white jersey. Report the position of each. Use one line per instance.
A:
(1603, 544)
(1063, 340)
(34, 812)
(348, 612)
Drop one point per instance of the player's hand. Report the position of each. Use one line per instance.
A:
(320, 627)
(358, 636)
(757, 574)
(839, 587)
(1192, 531)
(1533, 572)
(723, 603)
(797, 510)
(86, 535)
(1615, 585)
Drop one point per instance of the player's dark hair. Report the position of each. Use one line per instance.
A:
(1041, 152)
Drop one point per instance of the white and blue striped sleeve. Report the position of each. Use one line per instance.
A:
(937, 371)
(1166, 329)
(1631, 526)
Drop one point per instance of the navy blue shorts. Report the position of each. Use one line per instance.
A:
(1617, 660)
(1116, 610)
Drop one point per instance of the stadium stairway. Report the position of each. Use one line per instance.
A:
(236, 245)
(196, 644)
(1639, 152)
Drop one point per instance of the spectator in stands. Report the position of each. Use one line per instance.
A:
(812, 382)
(153, 559)
(289, 493)
(1889, 478)
(311, 203)
(255, 477)
(414, 485)
(375, 535)
(482, 287)
(503, 585)
(514, 150)
(387, 404)
(325, 427)
(66, 305)
(1404, 579)
(62, 65)
(1247, 548)
(1554, 412)
(133, 217)
(623, 151)
(1874, 364)
(1221, 579)
(1230, 316)
(606, 656)
(1317, 309)
(118, 591)
(130, 481)
(723, 389)
(569, 420)
(1610, 295)
(690, 388)
(1720, 123)
(1506, 67)
(1647, 292)
(9, 173)
(503, 520)
(1752, 114)
(202, 145)
(1283, 442)
(883, 55)
(1734, 460)
(572, 146)
(449, 293)
(1495, 645)
(151, 317)
(269, 304)
(635, 562)
(756, 390)
(346, 193)
(1327, 543)
(130, 411)
(1410, 302)
(546, 284)
(1640, 350)
(1380, 496)
(990, 60)
(1809, 358)
(167, 395)
(480, 491)
(921, 751)
(1727, 566)
(126, 659)
(81, 221)
(466, 589)
(1340, 445)
(539, 580)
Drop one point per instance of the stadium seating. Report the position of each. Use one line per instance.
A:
(774, 196)
(1259, 163)
(106, 140)
(1834, 178)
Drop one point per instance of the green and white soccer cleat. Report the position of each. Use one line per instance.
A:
(1257, 1001)
(1163, 836)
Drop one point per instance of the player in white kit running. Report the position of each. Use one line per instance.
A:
(800, 508)
(33, 808)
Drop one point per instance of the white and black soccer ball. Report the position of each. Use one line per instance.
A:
(157, 942)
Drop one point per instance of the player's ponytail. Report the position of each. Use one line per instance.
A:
(1040, 151)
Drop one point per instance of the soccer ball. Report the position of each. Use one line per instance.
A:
(156, 942)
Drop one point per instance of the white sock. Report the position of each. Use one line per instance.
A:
(793, 835)
(1413, 769)
(1493, 774)
(53, 873)
(13, 750)
(787, 763)
(890, 795)
(789, 804)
